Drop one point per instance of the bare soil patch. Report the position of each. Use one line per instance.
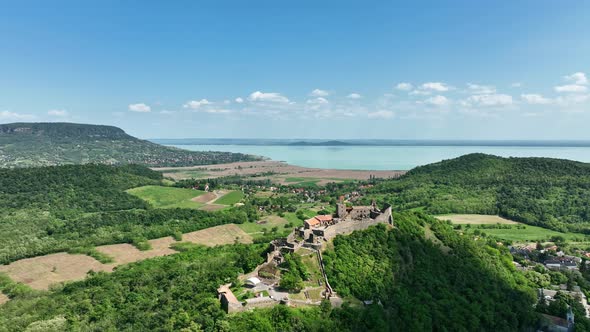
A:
(205, 198)
(475, 219)
(218, 235)
(126, 253)
(3, 299)
(40, 272)
(212, 207)
(258, 167)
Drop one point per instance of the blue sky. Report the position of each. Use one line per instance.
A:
(317, 69)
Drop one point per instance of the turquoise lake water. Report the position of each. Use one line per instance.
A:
(387, 157)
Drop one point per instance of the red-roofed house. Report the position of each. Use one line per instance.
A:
(320, 220)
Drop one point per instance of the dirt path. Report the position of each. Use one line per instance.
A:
(43, 271)
(209, 200)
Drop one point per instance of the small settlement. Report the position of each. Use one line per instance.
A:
(312, 236)
(529, 256)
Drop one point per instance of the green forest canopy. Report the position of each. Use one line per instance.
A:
(546, 192)
(50, 209)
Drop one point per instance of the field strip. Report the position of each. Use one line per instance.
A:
(475, 219)
(43, 271)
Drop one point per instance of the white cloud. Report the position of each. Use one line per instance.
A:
(578, 78)
(59, 113)
(354, 95)
(437, 101)
(141, 108)
(570, 88)
(572, 99)
(239, 100)
(420, 93)
(166, 112)
(318, 100)
(404, 86)
(7, 115)
(481, 89)
(268, 97)
(535, 99)
(217, 111)
(435, 86)
(319, 93)
(195, 104)
(381, 115)
(489, 100)
(516, 85)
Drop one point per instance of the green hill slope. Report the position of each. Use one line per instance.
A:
(47, 144)
(546, 192)
(422, 287)
(59, 208)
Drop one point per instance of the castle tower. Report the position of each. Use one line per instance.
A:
(341, 210)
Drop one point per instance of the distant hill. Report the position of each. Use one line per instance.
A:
(326, 143)
(46, 144)
(552, 193)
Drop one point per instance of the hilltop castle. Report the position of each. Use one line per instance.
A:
(322, 228)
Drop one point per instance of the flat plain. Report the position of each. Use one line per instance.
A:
(277, 171)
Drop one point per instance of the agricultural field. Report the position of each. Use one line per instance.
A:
(509, 230)
(218, 235)
(478, 219)
(527, 233)
(230, 198)
(168, 197)
(43, 271)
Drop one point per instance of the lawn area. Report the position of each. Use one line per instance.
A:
(310, 261)
(167, 197)
(478, 219)
(230, 198)
(267, 223)
(526, 233)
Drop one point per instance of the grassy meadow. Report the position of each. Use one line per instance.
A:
(168, 197)
(509, 230)
(230, 198)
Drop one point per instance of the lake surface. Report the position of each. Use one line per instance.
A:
(387, 157)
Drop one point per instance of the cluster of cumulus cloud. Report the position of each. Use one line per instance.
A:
(405, 100)
(570, 93)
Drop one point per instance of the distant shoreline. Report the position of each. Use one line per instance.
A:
(368, 142)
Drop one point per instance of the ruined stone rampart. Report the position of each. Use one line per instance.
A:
(349, 226)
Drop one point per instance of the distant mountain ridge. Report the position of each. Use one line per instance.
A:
(326, 143)
(59, 143)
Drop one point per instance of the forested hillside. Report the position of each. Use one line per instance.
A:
(59, 208)
(426, 277)
(429, 277)
(47, 144)
(547, 192)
